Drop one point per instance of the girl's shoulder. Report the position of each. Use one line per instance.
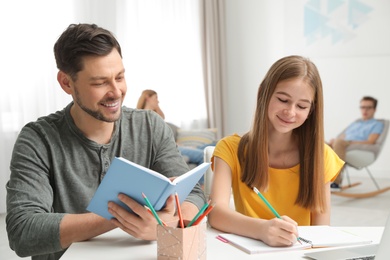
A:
(230, 140)
(227, 148)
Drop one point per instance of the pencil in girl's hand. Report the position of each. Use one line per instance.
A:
(266, 202)
(273, 210)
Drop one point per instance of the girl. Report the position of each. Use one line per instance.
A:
(149, 100)
(283, 155)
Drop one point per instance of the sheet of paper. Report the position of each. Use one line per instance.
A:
(327, 236)
(253, 246)
(320, 236)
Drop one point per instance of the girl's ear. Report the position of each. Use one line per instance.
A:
(64, 81)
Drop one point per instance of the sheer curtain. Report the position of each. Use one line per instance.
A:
(28, 70)
(214, 60)
(161, 49)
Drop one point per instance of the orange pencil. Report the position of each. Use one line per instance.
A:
(207, 211)
(205, 206)
(179, 210)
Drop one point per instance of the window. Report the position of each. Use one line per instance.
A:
(162, 51)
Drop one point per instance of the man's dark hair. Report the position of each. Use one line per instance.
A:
(373, 100)
(80, 40)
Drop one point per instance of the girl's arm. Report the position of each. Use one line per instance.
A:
(274, 232)
(159, 111)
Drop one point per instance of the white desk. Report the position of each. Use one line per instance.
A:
(116, 244)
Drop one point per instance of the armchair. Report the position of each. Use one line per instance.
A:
(360, 156)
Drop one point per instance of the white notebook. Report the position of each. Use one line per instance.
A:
(318, 236)
(380, 252)
(253, 246)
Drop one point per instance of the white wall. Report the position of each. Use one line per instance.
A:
(260, 32)
(250, 51)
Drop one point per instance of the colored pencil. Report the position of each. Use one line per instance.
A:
(207, 211)
(179, 210)
(151, 213)
(199, 213)
(152, 209)
(266, 202)
(271, 208)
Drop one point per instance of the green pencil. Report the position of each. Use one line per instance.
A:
(199, 213)
(266, 202)
(152, 209)
(274, 211)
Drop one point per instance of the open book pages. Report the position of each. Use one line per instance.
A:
(253, 246)
(318, 236)
(133, 180)
(327, 236)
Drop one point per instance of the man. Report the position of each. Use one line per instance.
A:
(59, 160)
(363, 131)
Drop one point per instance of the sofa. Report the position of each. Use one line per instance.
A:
(196, 138)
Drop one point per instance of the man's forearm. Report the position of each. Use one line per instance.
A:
(189, 210)
(80, 227)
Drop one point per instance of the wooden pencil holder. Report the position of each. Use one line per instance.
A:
(187, 243)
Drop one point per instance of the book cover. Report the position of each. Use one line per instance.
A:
(124, 176)
(319, 236)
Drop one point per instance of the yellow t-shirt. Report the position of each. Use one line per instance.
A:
(283, 184)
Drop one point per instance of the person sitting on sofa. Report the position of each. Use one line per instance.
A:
(149, 100)
(363, 131)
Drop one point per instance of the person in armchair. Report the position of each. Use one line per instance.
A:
(365, 130)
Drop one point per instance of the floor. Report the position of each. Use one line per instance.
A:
(345, 212)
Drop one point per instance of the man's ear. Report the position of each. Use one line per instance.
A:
(64, 80)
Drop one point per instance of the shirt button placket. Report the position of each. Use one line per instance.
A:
(105, 162)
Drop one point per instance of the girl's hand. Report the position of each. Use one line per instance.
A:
(280, 232)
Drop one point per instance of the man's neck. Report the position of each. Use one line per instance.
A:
(94, 129)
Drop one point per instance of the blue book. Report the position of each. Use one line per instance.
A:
(124, 176)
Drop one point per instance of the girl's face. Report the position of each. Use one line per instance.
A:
(290, 104)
